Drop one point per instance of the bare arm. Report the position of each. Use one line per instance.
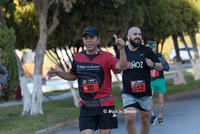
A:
(158, 66)
(64, 75)
(122, 63)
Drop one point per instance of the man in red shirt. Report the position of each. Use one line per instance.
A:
(92, 69)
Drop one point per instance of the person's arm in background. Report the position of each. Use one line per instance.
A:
(164, 64)
(4, 73)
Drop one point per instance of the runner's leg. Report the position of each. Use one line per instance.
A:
(144, 119)
(130, 115)
(87, 131)
(152, 108)
(161, 104)
(105, 131)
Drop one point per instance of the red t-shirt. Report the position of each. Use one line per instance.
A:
(94, 75)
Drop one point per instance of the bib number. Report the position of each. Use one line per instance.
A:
(138, 86)
(154, 73)
(90, 86)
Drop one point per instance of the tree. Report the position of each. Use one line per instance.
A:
(186, 18)
(156, 19)
(42, 9)
(177, 25)
(179, 78)
(12, 17)
(8, 60)
(192, 29)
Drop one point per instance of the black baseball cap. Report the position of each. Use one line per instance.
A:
(152, 44)
(91, 31)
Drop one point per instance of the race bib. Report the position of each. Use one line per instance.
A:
(154, 73)
(138, 86)
(90, 86)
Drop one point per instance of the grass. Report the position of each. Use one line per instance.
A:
(173, 89)
(61, 111)
(58, 92)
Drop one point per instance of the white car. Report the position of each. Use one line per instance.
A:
(183, 53)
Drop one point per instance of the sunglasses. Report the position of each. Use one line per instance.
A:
(151, 45)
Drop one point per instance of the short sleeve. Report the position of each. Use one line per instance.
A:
(73, 69)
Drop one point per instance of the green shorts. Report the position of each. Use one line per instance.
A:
(158, 85)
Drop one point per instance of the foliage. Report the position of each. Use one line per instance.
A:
(8, 60)
(26, 24)
(157, 19)
(166, 17)
(105, 17)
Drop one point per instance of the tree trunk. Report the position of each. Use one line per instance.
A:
(194, 66)
(196, 74)
(26, 96)
(36, 107)
(178, 79)
(24, 88)
(75, 96)
(2, 17)
(37, 79)
(41, 7)
(196, 52)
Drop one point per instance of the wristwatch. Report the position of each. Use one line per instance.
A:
(153, 65)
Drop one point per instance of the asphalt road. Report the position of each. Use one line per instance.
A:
(180, 117)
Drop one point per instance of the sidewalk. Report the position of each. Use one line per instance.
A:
(61, 96)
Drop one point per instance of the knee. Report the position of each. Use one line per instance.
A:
(161, 100)
(145, 120)
(130, 118)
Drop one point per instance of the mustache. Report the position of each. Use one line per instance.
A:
(137, 39)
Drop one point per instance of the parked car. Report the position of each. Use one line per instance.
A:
(183, 53)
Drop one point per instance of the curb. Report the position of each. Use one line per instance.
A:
(56, 128)
(68, 124)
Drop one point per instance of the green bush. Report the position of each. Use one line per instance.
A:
(8, 60)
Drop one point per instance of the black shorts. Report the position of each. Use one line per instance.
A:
(97, 117)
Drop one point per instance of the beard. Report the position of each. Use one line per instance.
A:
(133, 43)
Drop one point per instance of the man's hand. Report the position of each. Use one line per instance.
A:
(119, 42)
(129, 64)
(52, 73)
(149, 62)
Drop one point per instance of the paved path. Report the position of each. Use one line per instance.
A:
(180, 116)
